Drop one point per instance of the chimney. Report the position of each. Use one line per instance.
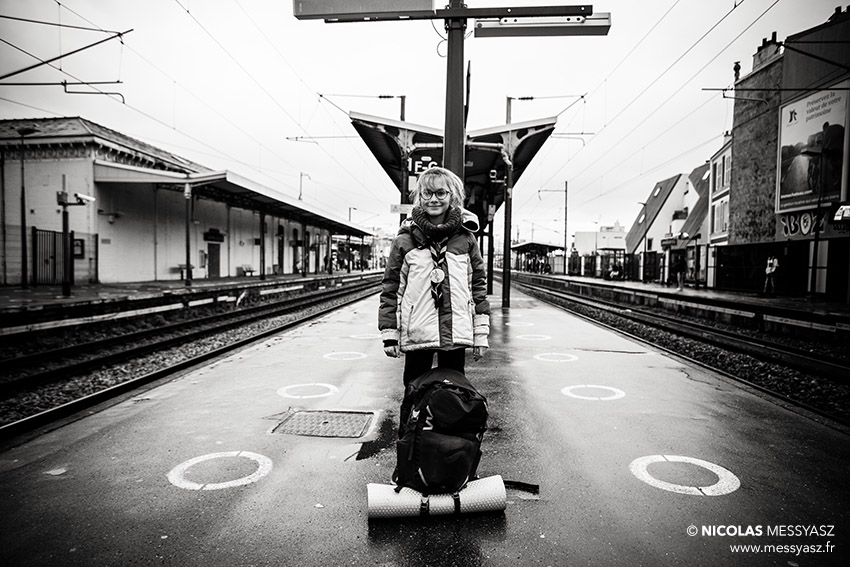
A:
(766, 52)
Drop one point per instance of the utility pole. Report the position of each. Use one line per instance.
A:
(490, 22)
(455, 138)
(67, 249)
(24, 131)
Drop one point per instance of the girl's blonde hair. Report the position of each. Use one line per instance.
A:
(430, 179)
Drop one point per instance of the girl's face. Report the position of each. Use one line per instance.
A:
(436, 201)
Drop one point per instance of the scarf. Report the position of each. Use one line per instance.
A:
(437, 237)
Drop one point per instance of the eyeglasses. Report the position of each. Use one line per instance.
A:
(441, 194)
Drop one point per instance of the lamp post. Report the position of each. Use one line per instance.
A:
(595, 246)
(348, 239)
(566, 234)
(67, 249)
(24, 131)
(645, 233)
(301, 177)
(816, 224)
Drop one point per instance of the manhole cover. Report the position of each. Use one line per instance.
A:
(326, 423)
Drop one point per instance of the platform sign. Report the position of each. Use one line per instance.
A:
(361, 9)
(593, 24)
(401, 209)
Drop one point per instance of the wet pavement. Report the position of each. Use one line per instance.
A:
(632, 449)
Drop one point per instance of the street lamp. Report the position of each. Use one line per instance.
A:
(24, 131)
(595, 246)
(566, 187)
(63, 201)
(348, 239)
(301, 177)
(645, 233)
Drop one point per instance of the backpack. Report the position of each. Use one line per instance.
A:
(440, 447)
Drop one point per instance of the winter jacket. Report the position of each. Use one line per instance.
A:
(408, 313)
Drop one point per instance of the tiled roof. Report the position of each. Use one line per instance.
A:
(654, 202)
(82, 129)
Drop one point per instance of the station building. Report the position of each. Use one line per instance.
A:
(138, 213)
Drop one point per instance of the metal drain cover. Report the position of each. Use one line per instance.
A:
(326, 423)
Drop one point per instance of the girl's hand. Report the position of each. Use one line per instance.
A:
(391, 351)
(478, 352)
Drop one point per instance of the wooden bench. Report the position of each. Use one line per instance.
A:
(247, 269)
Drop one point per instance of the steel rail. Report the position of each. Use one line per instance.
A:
(54, 415)
(167, 337)
(821, 364)
(550, 296)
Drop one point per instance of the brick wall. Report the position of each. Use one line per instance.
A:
(754, 153)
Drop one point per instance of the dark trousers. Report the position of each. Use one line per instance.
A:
(417, 363)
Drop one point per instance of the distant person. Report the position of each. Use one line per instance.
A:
(678, 268)
(434, 297)
(770, 275)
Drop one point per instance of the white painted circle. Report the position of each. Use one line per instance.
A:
(726, 484)
(367, 336)
(176, 476)
(555, 357)
(568, 391)
(534, 337)
(285, 391)
(520, 324)
(344, 355)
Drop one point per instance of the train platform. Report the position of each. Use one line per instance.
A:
(642, 459)
(783, 314)
(40, 307)
(787, 302)
(14, 298)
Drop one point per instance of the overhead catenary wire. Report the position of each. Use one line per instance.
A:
(262, 88)
(660, 106)
(307, 87)
(675, 93)
(654, 81)
(241, 129)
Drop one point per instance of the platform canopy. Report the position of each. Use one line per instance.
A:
(231, 188)
(403, 148)
(532, 247)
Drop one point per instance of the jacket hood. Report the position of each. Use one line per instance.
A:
(469, 221)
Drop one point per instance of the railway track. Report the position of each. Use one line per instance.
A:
(39, 374)
(816, 381)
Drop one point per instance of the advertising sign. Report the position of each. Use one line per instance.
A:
(811, 149)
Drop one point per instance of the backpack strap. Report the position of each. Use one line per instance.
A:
(524, 486)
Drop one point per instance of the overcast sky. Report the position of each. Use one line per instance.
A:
(225, 83)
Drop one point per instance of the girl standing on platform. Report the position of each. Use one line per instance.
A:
(434, 298)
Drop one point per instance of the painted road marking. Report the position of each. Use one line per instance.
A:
(534, 337)
(726, 484)
(344, 355)
(555, 357)
(520, 324)
(568, 391)
(177, 478)
(285, 391)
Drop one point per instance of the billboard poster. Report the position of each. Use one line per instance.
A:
(811, 149)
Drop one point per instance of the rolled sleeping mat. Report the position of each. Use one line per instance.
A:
(482, 495)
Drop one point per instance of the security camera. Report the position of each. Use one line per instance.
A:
(82, 199)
